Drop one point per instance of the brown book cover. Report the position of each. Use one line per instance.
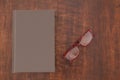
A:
(33, 41)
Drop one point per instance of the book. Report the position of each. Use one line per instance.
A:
(33, 41)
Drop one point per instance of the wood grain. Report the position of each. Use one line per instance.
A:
(98, 61)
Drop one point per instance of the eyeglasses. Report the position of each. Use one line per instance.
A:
(73, 52)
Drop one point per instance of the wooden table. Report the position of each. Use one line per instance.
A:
(98, 61)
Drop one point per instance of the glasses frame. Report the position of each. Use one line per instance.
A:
(76, 44)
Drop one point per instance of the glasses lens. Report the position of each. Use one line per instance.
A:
(86, 39)
(72, 53)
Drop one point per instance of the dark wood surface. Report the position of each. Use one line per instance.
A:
(98, 61)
